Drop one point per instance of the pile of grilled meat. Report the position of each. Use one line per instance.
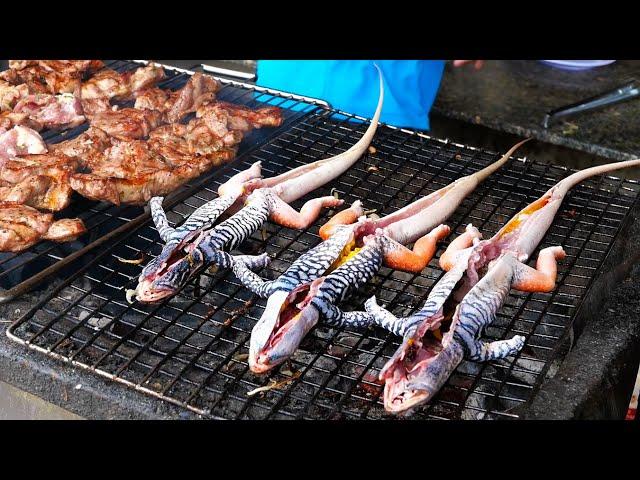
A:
(127, 155)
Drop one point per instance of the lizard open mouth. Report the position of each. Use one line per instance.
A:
(285, 322)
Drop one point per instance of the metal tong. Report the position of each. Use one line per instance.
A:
(620, 94)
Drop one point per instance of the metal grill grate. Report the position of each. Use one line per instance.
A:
(191, 350)
(20, 272)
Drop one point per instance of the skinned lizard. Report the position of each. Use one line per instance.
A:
(349, 257)
(198, 243)
(479, 275)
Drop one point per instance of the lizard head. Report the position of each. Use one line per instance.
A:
(165, 274)
(419, 368)
(286, 320)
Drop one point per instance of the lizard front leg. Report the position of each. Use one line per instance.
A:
(285, 215)
(251, 280)
(399, 257)
(486, 351)
(543, 277)
(450, 256)
(160, 218)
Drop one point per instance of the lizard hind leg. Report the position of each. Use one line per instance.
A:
(160, 218)
(236, 182)
(285, 215)
(449, 257)
(399, 257)
(543, 277)
(345, 217)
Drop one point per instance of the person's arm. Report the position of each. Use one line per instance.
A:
(476, 63)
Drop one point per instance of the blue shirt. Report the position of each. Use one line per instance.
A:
(352, 85)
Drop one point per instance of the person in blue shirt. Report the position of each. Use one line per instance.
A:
(352, 85)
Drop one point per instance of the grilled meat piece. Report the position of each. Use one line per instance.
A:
(199, 90)
(41, 80)
(87, 147)
(38, 191)
(93, 106)
(134, 171)
(127, 123)
(17, 169)
(105, 84)
(152, 99)
(11, 94)
(11, 119)
(49, 76)
(40, 181)
(144, 77)
(66, 67)
(56, 112)
(20, 140)
(121, 86)
(22, 226)
(221, 116)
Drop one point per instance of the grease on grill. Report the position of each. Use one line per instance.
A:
(135, 261)
(274, 384)
(239, 312)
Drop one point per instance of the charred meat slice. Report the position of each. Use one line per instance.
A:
(87, 148)
(40, 181)
(144, 77)
(93, 106)
(128, 123)
(200, 89)
(152, 99)
(22, 226)
(67, 67)
(17, 169)
(121, 86)
(39, 191)
(12, 119)
(238, 117)
(134, 171)
(41, 80)
(104, 84)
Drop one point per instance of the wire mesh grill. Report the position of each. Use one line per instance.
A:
(101, 218)
(191, 350)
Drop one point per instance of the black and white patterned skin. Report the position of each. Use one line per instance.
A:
(200, 220)
(350, 276)
(440, 292)
(478, 309)
(235, 230)
(310, 266)
(159, 218)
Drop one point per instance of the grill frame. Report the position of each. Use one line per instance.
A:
(496, 187)
(125, 217)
